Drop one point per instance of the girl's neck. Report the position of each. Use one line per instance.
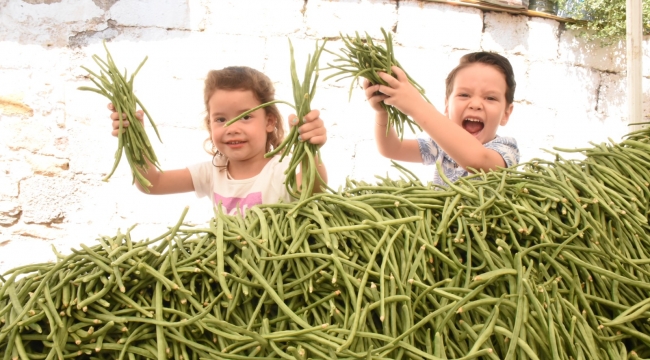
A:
(240, 170)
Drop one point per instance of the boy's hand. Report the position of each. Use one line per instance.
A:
(399, 92)
(374, 96)
(116, 119)
(313, 129)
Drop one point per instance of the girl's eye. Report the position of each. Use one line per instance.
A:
(247, 117)
(219, 120)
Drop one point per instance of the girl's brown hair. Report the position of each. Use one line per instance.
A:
(243, 78)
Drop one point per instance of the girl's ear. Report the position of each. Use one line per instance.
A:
(271, 122)
(447, 107)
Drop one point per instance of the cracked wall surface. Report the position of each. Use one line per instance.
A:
(55, 143)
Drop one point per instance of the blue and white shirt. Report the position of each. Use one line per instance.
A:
(431, 152)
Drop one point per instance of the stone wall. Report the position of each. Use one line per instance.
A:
(55, 145)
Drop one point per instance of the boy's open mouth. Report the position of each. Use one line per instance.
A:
(473, 126)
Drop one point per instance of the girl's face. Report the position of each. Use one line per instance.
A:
(478, 101)
(246, 138)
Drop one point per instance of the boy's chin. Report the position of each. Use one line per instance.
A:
(477, 135)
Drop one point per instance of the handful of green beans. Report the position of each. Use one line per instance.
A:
(548, 260)
(362, 57)
(303, 153)
(133, 140)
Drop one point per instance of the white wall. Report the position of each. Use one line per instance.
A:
(55, 145)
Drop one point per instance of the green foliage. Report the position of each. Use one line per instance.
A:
(603, 19)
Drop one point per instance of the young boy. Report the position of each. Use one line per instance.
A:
(479, 96)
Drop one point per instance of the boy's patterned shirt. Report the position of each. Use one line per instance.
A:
(431, 152)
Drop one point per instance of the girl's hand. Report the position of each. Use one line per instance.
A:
(399, 92)
(313, 129)
(116, 119)
(374, 96)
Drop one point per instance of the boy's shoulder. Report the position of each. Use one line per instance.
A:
(506, 140)
(507, 147)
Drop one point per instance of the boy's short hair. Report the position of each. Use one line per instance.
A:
(489, 58)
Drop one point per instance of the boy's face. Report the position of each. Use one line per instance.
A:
(477, 102)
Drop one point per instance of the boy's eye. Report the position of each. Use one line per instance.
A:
(219, 120)
(246, 117)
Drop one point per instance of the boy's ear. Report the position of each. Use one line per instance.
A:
(447, 107)
(506, 115)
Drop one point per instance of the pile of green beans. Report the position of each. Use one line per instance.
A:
(303, 153)
(361, 57)
(132, 141)
(547, 260)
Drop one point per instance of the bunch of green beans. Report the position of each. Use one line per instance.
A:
(133, 140)
(361, 57)
(547, 260)
(303, 153)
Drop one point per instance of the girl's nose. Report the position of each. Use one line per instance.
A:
(233, 128)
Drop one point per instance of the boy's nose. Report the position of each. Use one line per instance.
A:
(475, 105)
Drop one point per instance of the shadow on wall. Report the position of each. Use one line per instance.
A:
(76, 23)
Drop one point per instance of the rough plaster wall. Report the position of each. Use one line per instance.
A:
(55, 146)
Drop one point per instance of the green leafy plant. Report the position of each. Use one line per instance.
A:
(602, 20)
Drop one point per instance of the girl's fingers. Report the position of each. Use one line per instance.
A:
(116, 131)
(312, 125)
(312, 115)
(293, 120)
(116, 124)
(115, 116)
(139, 115)
(318, 140)
(316, 137)
(111, 107)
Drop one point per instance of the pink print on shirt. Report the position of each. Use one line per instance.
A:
(231, 203)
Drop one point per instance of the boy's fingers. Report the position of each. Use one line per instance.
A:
(110, 107)
(401, 75)
(385, 90)
(391, 81)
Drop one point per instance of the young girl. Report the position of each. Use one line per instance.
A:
(238, 176)
(479, 96)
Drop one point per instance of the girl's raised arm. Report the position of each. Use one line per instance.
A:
(165, 182)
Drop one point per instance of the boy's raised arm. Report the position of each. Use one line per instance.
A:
(460, 145)
(388, 143)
